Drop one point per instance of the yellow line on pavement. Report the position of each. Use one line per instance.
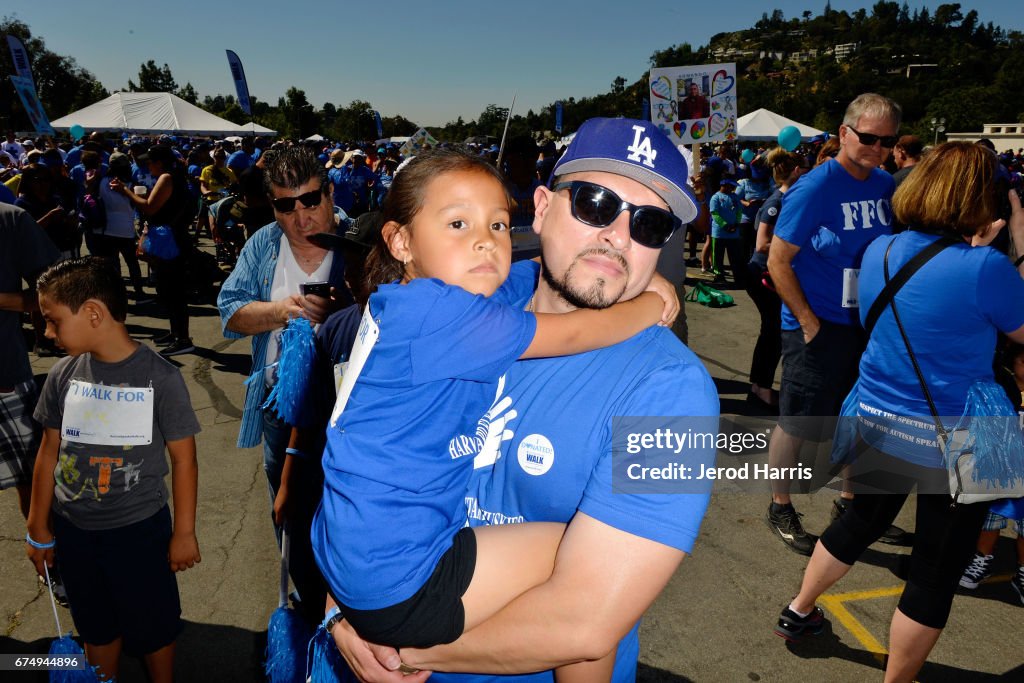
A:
(834, 604)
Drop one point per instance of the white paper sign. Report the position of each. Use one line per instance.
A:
(851, 299)
(695, 103)
(366, 338)
(106, 415)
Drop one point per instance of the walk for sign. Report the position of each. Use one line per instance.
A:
(695, 103)
(109, 416)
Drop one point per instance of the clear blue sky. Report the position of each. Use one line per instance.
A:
(431, 62)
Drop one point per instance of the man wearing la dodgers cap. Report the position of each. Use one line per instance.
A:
(613, 199)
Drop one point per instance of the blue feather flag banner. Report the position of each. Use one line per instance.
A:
(998, 444)
(294, 368)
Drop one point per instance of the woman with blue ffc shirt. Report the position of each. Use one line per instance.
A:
(967, 292)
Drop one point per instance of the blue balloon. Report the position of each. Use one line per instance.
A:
(747, 155)
(77, 132)
(789, 138)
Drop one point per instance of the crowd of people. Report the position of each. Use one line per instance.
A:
(413, 518)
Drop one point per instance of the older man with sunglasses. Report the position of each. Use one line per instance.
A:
(615, 199)
(827, 220)
(264, 292)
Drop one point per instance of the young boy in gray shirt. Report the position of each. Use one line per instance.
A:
(99, 504)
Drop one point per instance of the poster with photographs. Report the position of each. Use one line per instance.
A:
(695, 103)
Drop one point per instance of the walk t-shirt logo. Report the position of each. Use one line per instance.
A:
(641, 148)
(536, 454)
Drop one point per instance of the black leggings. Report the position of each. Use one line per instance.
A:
(172, 291)
(738, 264)
(768, 349)
(944, 542)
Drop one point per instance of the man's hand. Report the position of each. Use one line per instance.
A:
(371, 663)
(288, 308)
(183, 552)
(282, 505)
(667, 291)
(810, 328)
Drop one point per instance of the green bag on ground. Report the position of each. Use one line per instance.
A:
(705, 295)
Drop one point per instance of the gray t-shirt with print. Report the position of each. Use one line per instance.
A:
(106, 487)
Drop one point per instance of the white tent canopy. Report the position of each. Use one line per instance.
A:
(151, 113)
(765, 125)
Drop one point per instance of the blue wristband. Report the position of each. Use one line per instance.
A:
(37, 544)
(296, 452)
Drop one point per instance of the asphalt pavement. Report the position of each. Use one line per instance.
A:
(712, 623)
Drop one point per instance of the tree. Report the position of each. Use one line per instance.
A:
(618, 85)
(189, 94)
(154, 79)
(62, 85)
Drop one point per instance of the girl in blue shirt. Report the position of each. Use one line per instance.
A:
(390, 533)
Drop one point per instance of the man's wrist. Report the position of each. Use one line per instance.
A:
(331, 618)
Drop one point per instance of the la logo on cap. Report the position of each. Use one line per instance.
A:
(641, 148)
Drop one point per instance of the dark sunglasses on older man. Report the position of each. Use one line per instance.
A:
(308, 199)
(869, 139)
(598, 207)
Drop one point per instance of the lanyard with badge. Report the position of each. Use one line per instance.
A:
(346, 374)
(107, 415)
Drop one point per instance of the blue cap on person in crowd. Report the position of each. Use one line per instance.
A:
(635, 149)
(728, 181)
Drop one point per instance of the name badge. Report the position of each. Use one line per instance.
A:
(366, 337)
(108, 416)
(850, 278)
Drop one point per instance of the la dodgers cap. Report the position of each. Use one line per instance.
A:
(635, 149)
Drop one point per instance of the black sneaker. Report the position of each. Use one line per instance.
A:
(785, 521)
(977, 571)
(839, 506)
(164, 339)
(1018, 583)
(60, 594)
(793, 627)
(179, 347)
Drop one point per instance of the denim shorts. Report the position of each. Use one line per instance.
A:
(816, 377)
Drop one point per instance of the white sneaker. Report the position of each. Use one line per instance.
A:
(977, 571)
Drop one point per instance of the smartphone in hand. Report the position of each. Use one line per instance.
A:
(316, 288)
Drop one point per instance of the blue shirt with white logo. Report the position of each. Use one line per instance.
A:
(832, 217)
(951, 310)
(399, 456)
(556, 455)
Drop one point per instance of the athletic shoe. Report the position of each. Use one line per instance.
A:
(977, 571)
(793, 627)
(785, 521)
(893, 535)
(179, 347)
(1018, 583)
(164, 339)
(60, 594)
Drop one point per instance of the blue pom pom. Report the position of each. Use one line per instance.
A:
(324, 664)
(287, 641)
(294, 366)
(66, 646)
(998, 444)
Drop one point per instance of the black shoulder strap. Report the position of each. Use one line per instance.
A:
(896, 283)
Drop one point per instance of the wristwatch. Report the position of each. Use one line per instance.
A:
(332, 618)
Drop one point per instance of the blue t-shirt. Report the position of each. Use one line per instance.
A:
(725, 216)
(394, 469)
(563, 412)
(753, 190)
(950, 309)
(343, 198)
(832, 217)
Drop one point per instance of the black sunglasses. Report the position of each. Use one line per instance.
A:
(869, 139)
(308, 199)
(598, 207)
